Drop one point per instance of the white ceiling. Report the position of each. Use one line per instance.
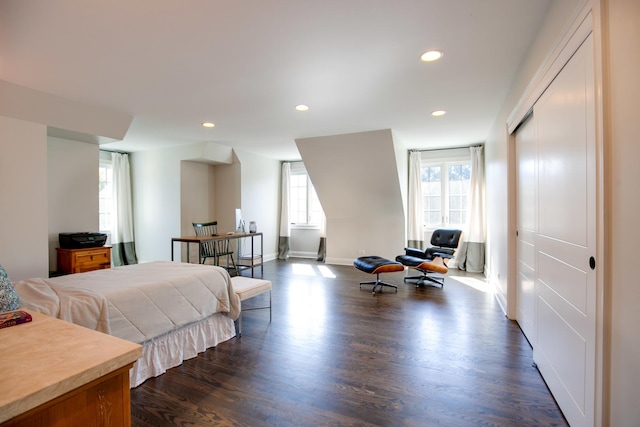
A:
(245, 64)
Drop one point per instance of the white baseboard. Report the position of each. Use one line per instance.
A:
(300, 254)
(340, 261)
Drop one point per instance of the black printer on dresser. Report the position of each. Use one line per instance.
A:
(81, 240)
(82, 251)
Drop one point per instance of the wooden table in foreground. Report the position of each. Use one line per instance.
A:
(252, 261)
(54, 373)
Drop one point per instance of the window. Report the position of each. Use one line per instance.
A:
(304, 206)
(445, 180)
(105, 194)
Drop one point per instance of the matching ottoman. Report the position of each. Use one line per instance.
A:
(376, 265)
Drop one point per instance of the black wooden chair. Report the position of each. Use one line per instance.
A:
(434, 259)
(214, 248)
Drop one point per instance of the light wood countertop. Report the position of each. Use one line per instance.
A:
(46, 358)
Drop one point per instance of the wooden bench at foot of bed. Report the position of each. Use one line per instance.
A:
(247, 287)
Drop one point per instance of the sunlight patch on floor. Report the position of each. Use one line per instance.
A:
(309, 270)
(307, 309)
(302, 270)
(472, 282)
(326, 272)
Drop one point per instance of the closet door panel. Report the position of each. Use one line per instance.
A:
(557, 332)
(526, 154)
(565, 285)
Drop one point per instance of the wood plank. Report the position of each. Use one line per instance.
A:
(338, 355)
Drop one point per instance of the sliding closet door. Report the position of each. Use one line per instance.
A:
(566, 282)
(526, 165)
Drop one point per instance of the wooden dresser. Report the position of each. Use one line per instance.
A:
(55, 373)
(86, 259)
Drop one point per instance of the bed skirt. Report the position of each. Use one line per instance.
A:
(169, 350)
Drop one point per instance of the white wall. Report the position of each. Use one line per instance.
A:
(67, 119)
(497, 150)
(31, 212)
(304, 242)
(358, 183)
(155, 178)
(260, 193)
(23, 199)
(623, 175)
(157, 196)
(228, 194)
(72, 178)
(176, 186)
(196, 185)
(402, 164)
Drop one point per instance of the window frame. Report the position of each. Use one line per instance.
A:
(298, 169)
(106, 163)
(443, 159)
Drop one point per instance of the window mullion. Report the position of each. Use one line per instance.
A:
(444, 193)
(308, 205)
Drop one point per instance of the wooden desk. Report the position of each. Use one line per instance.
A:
(55, 373)
(251, 262)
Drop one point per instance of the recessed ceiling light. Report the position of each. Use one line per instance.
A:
(302, 107)
(438, 113)
(432, 55)
(208, 125)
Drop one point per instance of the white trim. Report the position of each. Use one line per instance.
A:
(442, 156)
(339, 261)
(301, 254)
(301, 226)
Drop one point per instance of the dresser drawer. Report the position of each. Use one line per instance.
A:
(81, 260)
(92, 259)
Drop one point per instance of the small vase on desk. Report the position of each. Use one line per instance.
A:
(252, 227)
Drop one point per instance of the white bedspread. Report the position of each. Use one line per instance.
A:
(137, 302)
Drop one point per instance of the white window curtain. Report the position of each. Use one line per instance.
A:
(123, 250)
(322, 248)
(415, 225)
(470, 256)
(285, 223)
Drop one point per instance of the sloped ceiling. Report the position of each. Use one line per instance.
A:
(357, 181)
(354, 173)
(244, 65)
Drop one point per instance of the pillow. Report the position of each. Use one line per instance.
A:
(8, 296)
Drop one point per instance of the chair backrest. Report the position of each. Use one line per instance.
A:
(206, 229)
(445, 238)
(444, 243)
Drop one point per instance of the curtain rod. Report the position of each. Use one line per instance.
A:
(114, 151)
(450, 148)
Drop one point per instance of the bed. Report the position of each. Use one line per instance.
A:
(174, 310)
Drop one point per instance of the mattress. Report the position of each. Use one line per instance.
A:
(136, 302)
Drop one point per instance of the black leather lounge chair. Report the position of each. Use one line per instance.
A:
(434, 259)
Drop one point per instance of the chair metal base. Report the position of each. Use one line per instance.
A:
(378, 284)
(422, 279)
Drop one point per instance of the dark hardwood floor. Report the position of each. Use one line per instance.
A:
(336, 355)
